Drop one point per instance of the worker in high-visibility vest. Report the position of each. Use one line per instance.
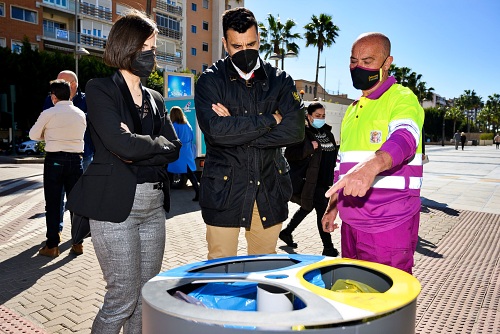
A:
(379, 166)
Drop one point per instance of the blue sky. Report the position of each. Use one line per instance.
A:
(454, 44)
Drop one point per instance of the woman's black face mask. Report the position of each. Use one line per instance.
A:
(144, 63)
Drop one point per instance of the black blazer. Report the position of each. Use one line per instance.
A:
(107, 188)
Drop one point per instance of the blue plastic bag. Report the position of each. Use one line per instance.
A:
(236, 296)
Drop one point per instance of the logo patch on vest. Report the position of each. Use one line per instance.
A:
(296, 96)
(375, 137)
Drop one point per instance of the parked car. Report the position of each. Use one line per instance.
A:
(28, 147)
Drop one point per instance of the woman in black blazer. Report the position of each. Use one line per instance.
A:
(125, 189)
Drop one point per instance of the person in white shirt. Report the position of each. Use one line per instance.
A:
(62, 128)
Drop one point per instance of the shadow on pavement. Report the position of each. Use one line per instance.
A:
(15, 281)
(443, 207)
(181, 202)
(425, 247)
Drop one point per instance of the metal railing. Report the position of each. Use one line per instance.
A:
(162, 5)
(86, 9)
(168, 58)
(170, 33)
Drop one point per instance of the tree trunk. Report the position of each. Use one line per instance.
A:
(317, 71)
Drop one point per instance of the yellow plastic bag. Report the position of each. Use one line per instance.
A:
(351, 286)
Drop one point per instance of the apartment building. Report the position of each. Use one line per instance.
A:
(189, 30)
(204, 32)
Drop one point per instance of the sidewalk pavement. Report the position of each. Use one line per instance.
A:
(457, 259)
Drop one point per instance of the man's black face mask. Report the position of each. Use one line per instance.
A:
(245, 60)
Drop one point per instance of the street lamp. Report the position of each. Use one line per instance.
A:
(324, 85)
(79, 51)
(282, 56)
(302, 94)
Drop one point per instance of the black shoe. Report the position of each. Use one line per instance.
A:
(287, 239)
(333, 252)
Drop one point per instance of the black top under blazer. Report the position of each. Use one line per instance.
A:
(107, 188)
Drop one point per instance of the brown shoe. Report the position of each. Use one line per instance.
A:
(50, 252)
(77, 249)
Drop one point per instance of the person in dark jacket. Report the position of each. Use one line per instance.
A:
(311, 168)
(247, 110)
(463, 139)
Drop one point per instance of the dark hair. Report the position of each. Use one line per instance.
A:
(61, 89)
(239, 19)
(177, 115)
(126, 39)
(313, 107)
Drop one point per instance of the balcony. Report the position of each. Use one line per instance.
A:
(170, 33)
(92, 41)
(68, 37)
(86, 9)
(60, 35)
(168, 58)
(163, 6)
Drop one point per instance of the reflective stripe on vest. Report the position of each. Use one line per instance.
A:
(395, 182)
(357, 156)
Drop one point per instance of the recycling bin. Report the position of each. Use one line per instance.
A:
(389, 309)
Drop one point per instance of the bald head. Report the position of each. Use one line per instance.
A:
(375, 38)
(70, 77)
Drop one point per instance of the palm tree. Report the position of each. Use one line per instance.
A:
(494, 104)
(277, 37)
(320, 32)
(455, 114)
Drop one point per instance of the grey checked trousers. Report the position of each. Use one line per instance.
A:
(130, 253)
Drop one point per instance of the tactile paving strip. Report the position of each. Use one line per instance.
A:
(12, 323)
(460, 291)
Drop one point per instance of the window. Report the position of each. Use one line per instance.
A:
(3, 42)
(205, 47)
(193, 7)
(205, 4)
(305, 89)
(193, 29)
(205, 25)
(17, 46)
(204, 67)
(2, 9)
(168, 22)
(23, 14)
(59, 3)
(193, 71)
(193, 51)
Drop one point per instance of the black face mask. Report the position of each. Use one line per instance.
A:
(365, 78)
(245, 60)
(144, 63)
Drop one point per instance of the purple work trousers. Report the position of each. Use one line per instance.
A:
(394, 247)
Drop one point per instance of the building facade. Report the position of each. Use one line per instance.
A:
(189, 36)
(306, 89)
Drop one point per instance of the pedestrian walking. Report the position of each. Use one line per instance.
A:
(456, 138)
(463, 139)
(497, 140)
(312, 164)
